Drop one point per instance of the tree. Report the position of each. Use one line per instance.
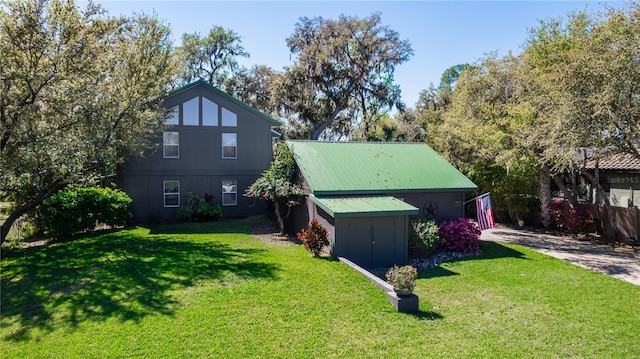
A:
(211, 58)
(78, 91)
(278, 185)
(343, 73)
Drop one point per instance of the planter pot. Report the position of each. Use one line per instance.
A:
(403, 292)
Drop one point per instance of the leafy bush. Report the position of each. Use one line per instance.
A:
(184, 213)
(460, 235)
(208, 212)
(197, 207)
(80, 209)
(402, 277)
(575, 219)
(423, 236)
(314, 238)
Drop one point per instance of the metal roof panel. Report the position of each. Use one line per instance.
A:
(373, 167)
(362, 206)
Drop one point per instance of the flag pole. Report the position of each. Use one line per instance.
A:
(474, 198)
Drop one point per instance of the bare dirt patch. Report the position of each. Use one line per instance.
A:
(268, 232)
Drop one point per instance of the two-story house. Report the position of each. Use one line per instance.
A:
(213, 143)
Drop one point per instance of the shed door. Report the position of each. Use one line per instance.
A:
(383, 239)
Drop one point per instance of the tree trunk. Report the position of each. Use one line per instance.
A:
(279, 217)
(28, 206)
(607, 205)
(568, 195)
(544, 194)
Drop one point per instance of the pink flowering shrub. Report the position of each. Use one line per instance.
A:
(575, 219)
(460, 235)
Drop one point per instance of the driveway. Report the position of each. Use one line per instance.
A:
(619, 262)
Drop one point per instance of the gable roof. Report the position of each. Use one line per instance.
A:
(332, 168)
(227, 96)
(621, 161)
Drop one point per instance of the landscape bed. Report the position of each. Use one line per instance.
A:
(213, 290)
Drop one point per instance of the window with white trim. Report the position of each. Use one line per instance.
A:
(173, 116)
(229, 118)
(171, 145)
(209, 113)
(229, 192)
(171, 193)
(191, 112)
(229, 145)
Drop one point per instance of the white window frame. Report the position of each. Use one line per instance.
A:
(233, 189)
(236, 145)
(165, 145)
(165, 194)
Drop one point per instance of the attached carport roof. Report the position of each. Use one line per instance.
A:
(364, 206)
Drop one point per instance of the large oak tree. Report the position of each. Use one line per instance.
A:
(342, 75)
(78, 91)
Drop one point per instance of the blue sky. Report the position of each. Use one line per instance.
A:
(442, 33)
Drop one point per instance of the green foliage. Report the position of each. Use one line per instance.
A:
(79, 91)
(81, 209)
(208, 212)
(197, 207)
(314, 238)
(184, 213)
(403, 277)
(211, 58)
(423, 237)
(342, 75)
(277, 184)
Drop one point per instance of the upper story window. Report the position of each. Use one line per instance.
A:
(209, 113)
(229, 145)
(173, 116)
(191, 112)
(171, 193)
(229, 118)
(229, 192)
(171, 145)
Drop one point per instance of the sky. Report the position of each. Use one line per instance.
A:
(442, 33)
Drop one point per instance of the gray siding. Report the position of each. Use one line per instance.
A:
(449, 204)
(200, 167)
(373, 242)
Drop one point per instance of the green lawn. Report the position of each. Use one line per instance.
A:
(210, 290)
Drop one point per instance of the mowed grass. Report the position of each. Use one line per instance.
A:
(211, 290)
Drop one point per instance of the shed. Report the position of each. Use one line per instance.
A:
(363, 193)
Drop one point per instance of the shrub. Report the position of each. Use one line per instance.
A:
(314, 238)
(80, 209)
(423, 236)
(402, 277)
(197, 207)
(207, 212)
(460, 235)
(184, 213)
(575, 219)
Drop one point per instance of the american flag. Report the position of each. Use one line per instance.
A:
(485, 212)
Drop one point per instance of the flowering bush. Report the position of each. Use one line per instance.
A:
(575, 219)
(460, 235)
(314, 238)
(277, 185)
(423, 236)
(402, 277)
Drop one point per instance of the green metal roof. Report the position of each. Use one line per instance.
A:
(332, 168)
(364, 206)
(226, 95)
